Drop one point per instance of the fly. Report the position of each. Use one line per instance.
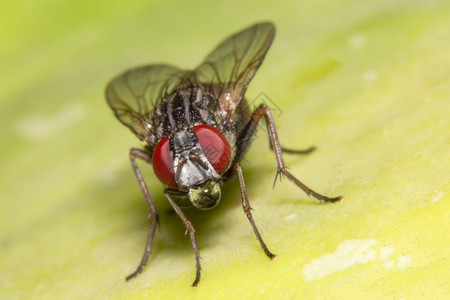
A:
(197, 127)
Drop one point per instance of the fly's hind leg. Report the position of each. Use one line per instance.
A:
(247, 135)
(294, 151)
(137, 153)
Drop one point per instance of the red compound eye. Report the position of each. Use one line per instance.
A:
(163, 165)
(215, 147)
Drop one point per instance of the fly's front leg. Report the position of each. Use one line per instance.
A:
(137, 153)
(248, 210)
(192, 236)
(264, 111)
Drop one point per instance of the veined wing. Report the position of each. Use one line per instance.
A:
(232, 65)
(133, 94)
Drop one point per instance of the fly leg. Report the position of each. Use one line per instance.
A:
(295, 151)
(137, 153)
(249, 131)
(192, 236)
(248, 211)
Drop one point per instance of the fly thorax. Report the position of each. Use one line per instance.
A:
(191, 167)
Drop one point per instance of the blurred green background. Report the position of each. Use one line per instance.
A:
(367, 82)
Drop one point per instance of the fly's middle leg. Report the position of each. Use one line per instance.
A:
(263, 111)
(137, 153)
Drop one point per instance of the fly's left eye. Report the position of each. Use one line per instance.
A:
(215, 147)
(162, 163)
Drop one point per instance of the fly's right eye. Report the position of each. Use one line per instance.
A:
(162, 163)
(215, 147)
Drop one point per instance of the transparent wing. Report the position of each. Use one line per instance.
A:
(133, 94)
(232, 65)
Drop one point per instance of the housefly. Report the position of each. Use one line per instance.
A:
(197, 127)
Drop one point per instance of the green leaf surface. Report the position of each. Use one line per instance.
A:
(366, 82)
